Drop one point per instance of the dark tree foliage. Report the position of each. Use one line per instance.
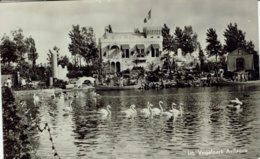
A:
(202, 58)
(8, 50)
(21, 47)
(250, 47)
(63, 61)
(168, 41)
(185, 39)
(214, 47)
(31, 49)
(234, 38)
(83, 43)
(17, 128)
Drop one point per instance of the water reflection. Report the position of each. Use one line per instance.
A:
(205, 124)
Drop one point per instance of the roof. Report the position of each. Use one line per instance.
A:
(118, 35)
(239, 51)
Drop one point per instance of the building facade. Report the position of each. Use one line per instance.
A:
(239, 60)
(125, 50)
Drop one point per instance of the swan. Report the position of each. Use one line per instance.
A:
(175, 112)
(131, 112)
(181, 109)
(146, 112)
(236, 107)
(68, 108)
(236, 101)
(61, 96)
(53, 95)
(157, 111)
(36, 99)
(105, 112)
(167, 114)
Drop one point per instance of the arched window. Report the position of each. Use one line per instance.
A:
(118, 67)
(112, 67)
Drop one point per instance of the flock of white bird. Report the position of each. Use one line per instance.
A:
(235, 104)
(149, 112)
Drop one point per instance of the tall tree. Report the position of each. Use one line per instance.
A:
(31, 50)
(13, 47)
(8, 50)
(168, 42)
(214, 47)
(83, 43)
(202, 57)
(185, 39)
(234, 38)
(250, 47)
(19, 41)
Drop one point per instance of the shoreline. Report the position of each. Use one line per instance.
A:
(118, 88)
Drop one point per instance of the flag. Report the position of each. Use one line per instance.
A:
(148, 16)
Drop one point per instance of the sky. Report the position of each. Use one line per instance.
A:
(50, 22)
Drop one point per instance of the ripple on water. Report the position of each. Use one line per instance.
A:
(206, 124)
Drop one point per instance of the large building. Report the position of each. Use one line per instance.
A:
(124, 50)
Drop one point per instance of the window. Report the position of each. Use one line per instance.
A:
(157, 52)
(140, 50)
(140, 53)
(153, 52)
(125, 50)
(127, 53)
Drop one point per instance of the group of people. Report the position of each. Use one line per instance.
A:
(8, 83)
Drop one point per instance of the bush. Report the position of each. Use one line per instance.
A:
(17, 128)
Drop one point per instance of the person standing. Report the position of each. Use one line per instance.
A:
(9, 82)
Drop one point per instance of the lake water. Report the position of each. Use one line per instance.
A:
(207, 128)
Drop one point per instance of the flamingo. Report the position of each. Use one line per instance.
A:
(105, 112)
(131, 112)
(146, 112)
(157, 111)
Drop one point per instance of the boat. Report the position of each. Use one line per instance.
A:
(225, 82)
(110, 88)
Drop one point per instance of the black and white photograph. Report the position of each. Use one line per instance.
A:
(121, 79)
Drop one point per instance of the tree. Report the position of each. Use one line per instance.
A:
(168, 41)
(214, 47)
(185, 39)
(18, 127)
(14, 47)
(83, 44)
(202, 57)
(63, 61)
(31, 50)
(234, 38)
(8, 50)
(250, 47)
(21, 47)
